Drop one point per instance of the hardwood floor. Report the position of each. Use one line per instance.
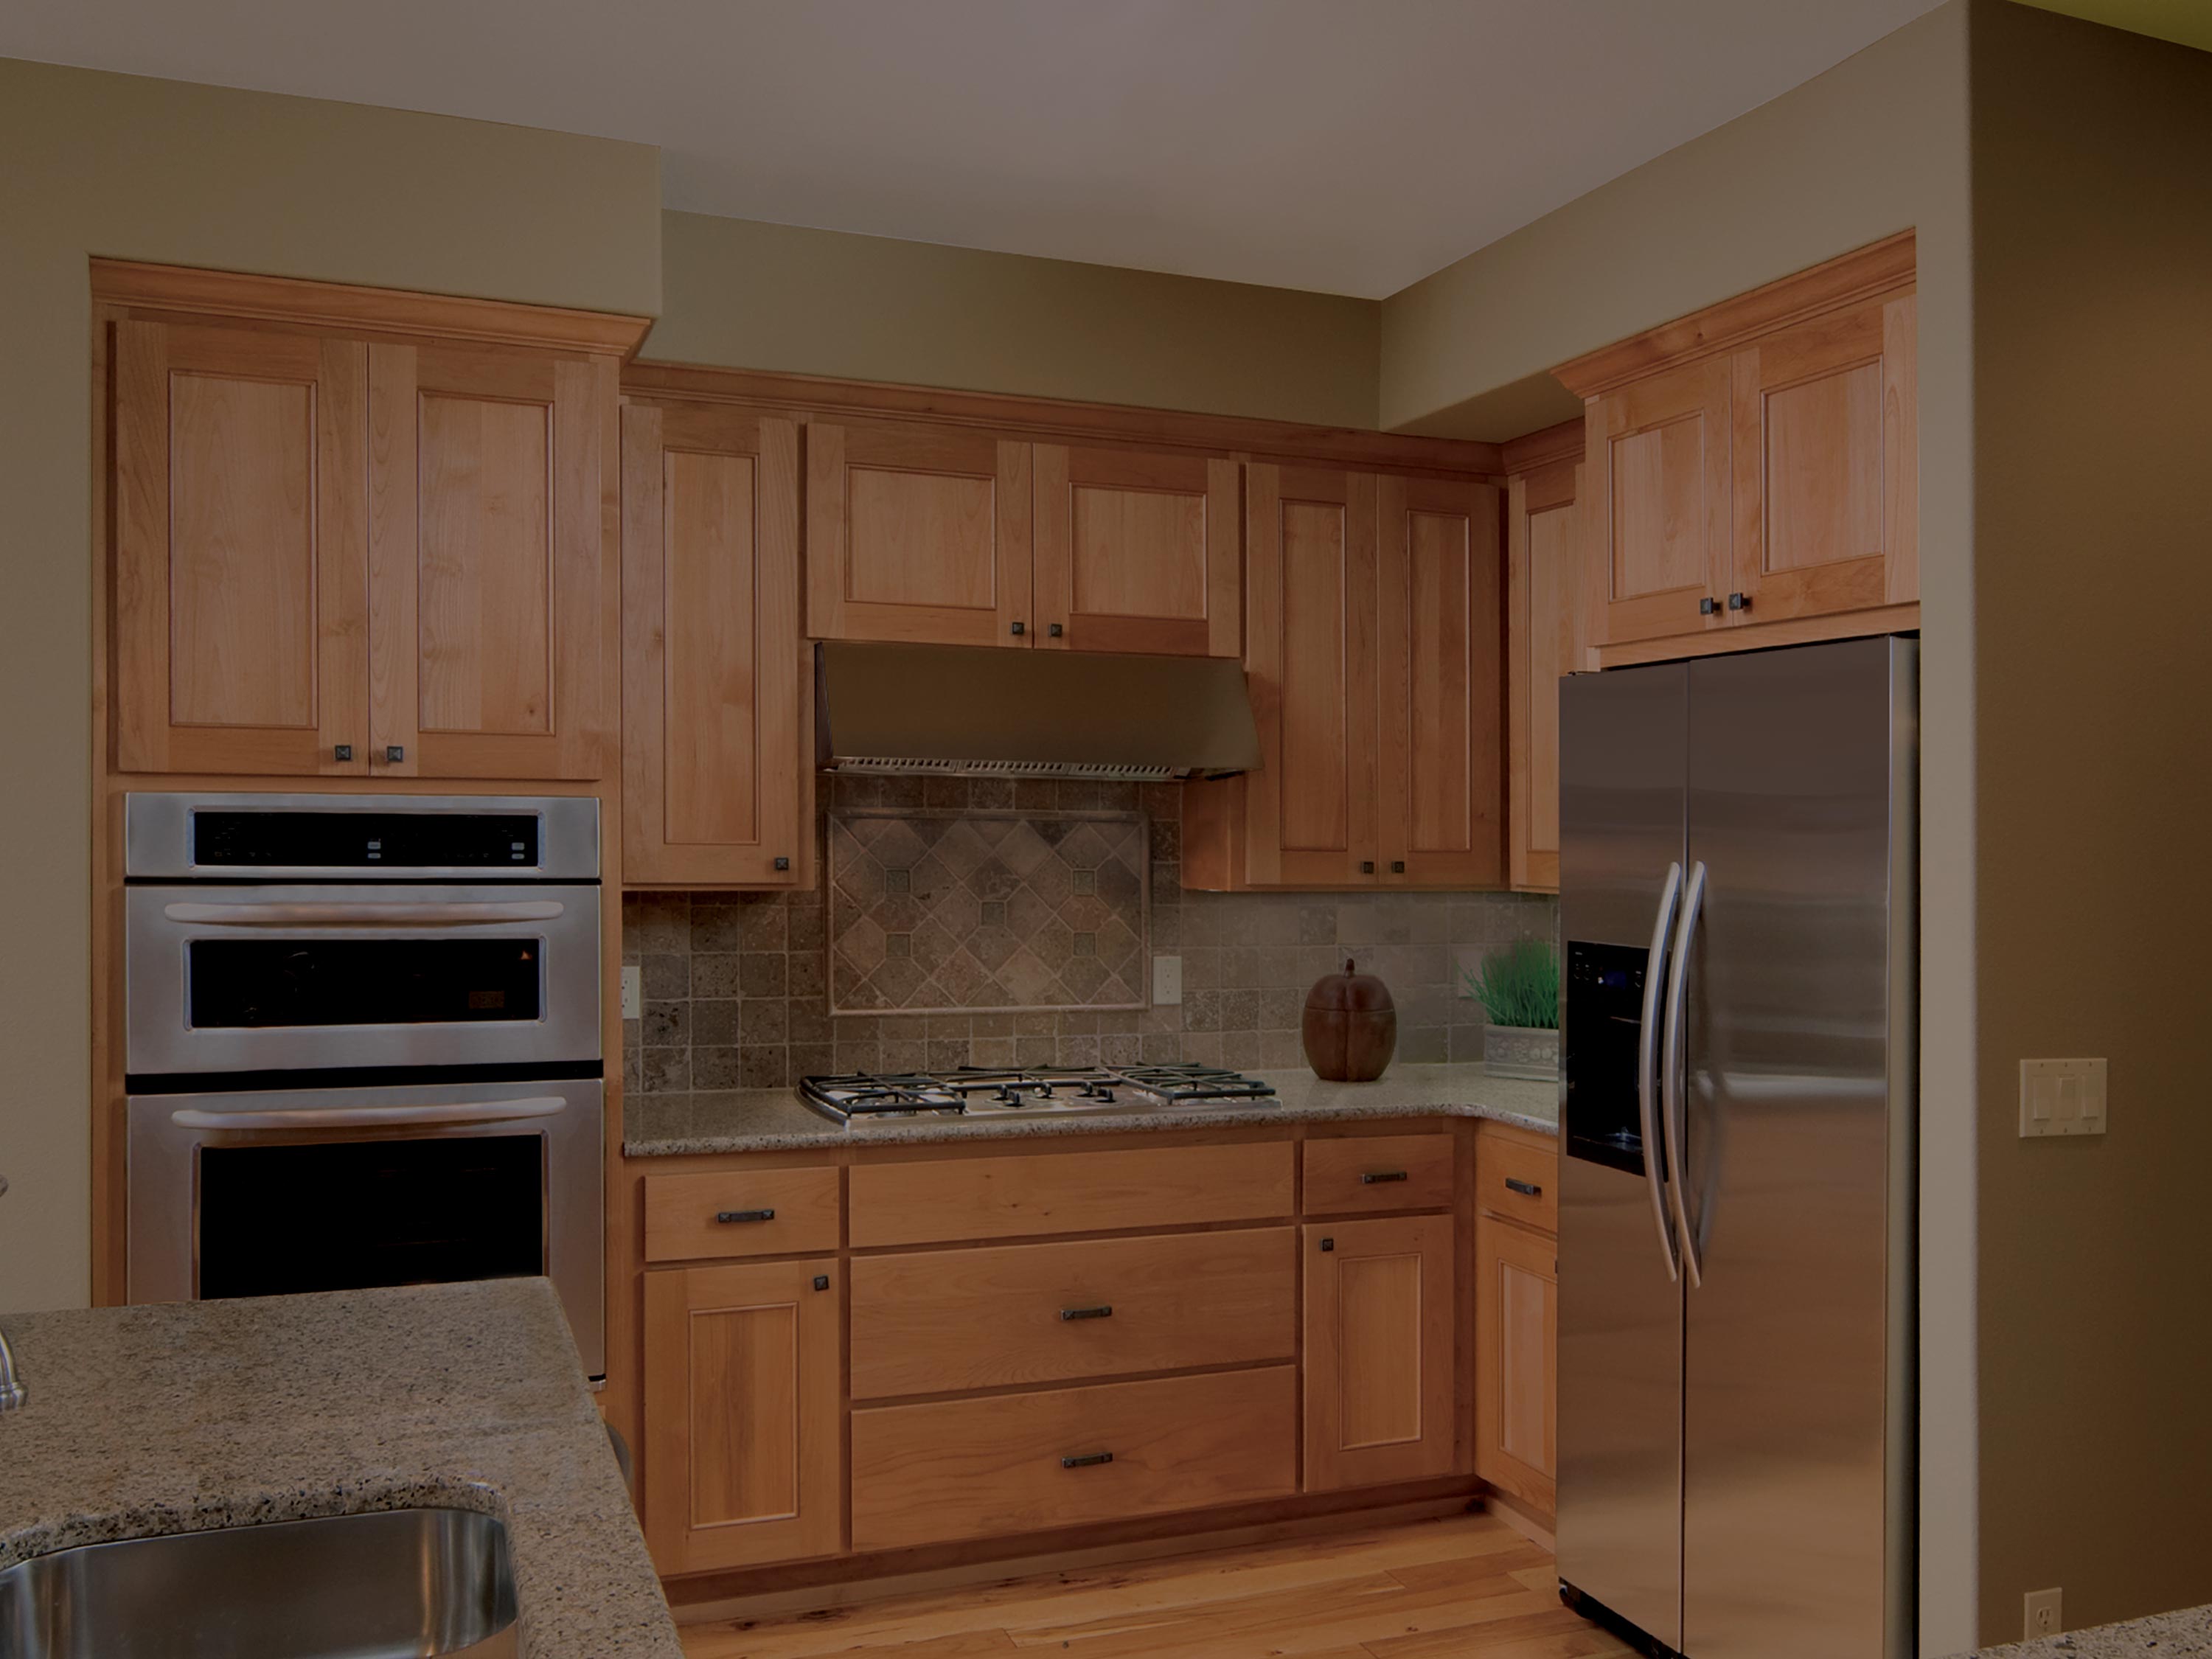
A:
(1465, 1587)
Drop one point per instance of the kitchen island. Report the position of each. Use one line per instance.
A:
(184, 1417)
(775, 1120)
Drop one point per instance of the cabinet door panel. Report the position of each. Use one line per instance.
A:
(1379, 1351)
(1137, 552)
(717, 779)
(1311, 565)
(491, 580)
(743, 1457)
(1825, 465)
(1544, 554)
(916, 534)
(1659, 468)
(1517, 1312)
(240, 568)
(1439, 644)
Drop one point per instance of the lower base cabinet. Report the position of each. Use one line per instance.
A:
(1381, 1326)
(1005, 1464)
(1517, 1321)
(744, 1444)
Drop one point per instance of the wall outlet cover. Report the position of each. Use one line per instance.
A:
(1167, 981)
(632, 993)
(2041, 1614)
(2062, 1097)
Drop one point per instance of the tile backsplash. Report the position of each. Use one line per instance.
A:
(736, 993)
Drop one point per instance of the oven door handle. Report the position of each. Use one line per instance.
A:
(364, 914)
(372, 1117)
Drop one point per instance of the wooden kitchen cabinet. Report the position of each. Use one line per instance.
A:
(358, 532)
(1380, 1357)
(917, 534)
(718, 768)
(1543, 640)
(744, 1455)
(241, 601)
(1516, 1311)
(1373, 640)
(1752, 472)
(1136, 551)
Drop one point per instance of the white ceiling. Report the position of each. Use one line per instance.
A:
(1350, 146)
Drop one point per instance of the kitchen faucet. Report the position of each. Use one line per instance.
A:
(11, 1391)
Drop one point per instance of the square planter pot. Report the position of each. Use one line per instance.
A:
(1522, 1051)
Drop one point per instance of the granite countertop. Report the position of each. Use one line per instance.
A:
(2183, 1635)
(773, 1119)
(179, 1417)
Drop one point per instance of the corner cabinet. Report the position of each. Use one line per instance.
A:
(1372, 650)
(745, 1432)
(947, 536)
(346, 546)
(1516, 1314)
(717, 773)
(1380, 1319)
(1752, 472)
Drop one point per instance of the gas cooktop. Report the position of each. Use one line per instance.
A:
(858, 1099)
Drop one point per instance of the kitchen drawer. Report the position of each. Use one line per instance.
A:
(720, 1214)
(1506, 1168)
(947, 1321)
(1355, 1176)
(942, 1200)
(997, 1465)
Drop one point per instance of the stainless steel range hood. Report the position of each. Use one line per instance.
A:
(962, 710)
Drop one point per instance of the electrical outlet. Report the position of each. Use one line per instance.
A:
(2041, 1614)
(1167, 981)
(632, 993)
(2062, 1097)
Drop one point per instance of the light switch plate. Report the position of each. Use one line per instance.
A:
(632, 993)
(1167, 981)
(2062, 1097)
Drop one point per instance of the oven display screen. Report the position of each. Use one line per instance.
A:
(368, 840)
(351, 1215)
(337, 982)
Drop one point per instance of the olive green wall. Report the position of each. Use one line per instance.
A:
(116, 165)
(2092, 486)
(750, 295)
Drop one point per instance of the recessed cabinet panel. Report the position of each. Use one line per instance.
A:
(1544, 556)
(1439, 630)
(1517, 1317)
(1660, 456)
(1137, 552)
(1659, 508)
(1380, 1355)
(916, 534)
(717, 789)
(744, 1414)
(240, 565)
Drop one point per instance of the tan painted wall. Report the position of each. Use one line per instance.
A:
(751, 295)
(2094, 519)
(107, 164)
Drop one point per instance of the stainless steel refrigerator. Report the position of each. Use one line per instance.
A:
(1735, 1383)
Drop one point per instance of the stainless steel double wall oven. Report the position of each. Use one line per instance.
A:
(363, 1037)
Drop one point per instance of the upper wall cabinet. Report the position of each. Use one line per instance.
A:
(344, 545)
(1752, 472)
(1543, 639)
(1136, 552)
(916, 534)
(1373, 652)
(946, 537)
(717, 781)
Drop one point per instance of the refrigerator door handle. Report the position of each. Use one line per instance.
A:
(1647, 1043)
(1672, 1070)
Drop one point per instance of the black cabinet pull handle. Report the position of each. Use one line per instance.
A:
(1379, 1177)
(1103, 1312)
(1528, 1187)
(1090, 1462)
(745, 1215)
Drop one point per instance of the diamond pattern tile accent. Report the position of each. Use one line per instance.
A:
(986, 913)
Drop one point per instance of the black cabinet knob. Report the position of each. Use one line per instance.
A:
(1706, 606)
(783, 864)
(1739, 602)
(1327, 1244)
(393, 753)
(1397, 866)
(1021, 628)
(343, 751)
(822, 1281)
(1054, 629)
(1367, 866)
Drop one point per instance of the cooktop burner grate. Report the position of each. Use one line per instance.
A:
(861, 1098)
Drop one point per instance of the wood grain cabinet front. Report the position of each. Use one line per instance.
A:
(1544, 638)
(700, 1215)
(1516, 1301)
(1012, 1464)
(1137, 551)
(744, 1458)
(1362, 1174)
(718, 769)
(1381, 1360)
(945, 1321)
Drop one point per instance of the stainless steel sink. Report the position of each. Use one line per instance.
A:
(399, 1584)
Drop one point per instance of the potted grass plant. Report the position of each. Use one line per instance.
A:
(1519, 990)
